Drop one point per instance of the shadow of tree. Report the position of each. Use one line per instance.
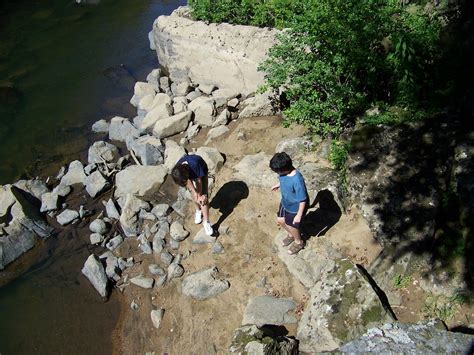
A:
(227, 198)
(408, 175)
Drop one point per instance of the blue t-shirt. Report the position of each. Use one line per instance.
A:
(197, 165)
(293, 191)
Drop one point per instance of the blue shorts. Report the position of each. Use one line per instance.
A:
(289, 217)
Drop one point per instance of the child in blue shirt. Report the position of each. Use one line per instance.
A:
(191, 172)
(294, 200)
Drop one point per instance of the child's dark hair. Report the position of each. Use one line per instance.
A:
(180, 174)
(281, 162)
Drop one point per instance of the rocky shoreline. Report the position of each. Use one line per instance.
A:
(173, 277)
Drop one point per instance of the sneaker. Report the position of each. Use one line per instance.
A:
(198, 217)
(208, 228)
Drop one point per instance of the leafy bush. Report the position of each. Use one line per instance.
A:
(338, 154)
(336, 57)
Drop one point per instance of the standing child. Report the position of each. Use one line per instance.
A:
(294, 200)
(191, 171)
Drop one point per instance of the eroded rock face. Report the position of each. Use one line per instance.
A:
(226, 56)
(421, 338)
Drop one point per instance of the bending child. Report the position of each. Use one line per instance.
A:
(191, 172)
(294, 200)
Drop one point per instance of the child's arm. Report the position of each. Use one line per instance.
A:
(200, 198)
(299, 215)
(275, 187)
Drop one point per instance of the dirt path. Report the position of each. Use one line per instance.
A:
(249, 262)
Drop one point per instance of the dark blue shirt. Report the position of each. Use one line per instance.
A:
(197, 165)
(293, 191)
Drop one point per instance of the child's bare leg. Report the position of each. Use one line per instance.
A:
(205, 211)
(292, 232)
(295, 233)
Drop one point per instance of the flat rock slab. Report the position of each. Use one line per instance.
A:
(67, 216)
(269, 310)
(143, 282)
(202, 238)
(204, 284)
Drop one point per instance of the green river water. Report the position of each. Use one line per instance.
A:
(62, 67)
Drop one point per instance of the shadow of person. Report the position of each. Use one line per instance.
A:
(227, 198)
(316, 223)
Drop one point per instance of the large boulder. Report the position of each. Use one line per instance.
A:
(121, 129)
(23, 224)
(224, 55)
(96, 183)
(129, 220)
(422, 338)
(139, 180)
(172, 125)
(140, 90)
(158, 113)
(213, 158)
(148, 149)
(101, 152)
(204, 284)
(75, 174)
(173, 152)
(255, 170)
(95, 273)
(205, 112)
(260, 105)
(34, 187)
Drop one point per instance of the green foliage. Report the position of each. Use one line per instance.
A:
(444, 308)
(338, 154)
(274, 13)
(400, 281)
(394, 115)
(336, 57)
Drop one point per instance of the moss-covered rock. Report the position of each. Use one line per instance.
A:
(343, 305)
(250, 339)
